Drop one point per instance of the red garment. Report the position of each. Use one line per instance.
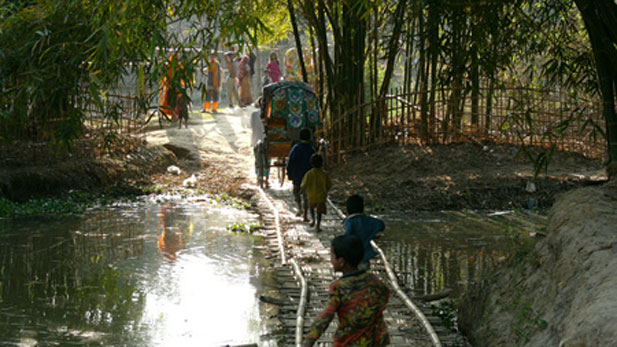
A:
(274, 71)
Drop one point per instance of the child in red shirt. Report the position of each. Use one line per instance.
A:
(358, 298)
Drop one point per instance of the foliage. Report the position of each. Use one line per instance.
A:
(239, 227)
(75, 203)
(56, 57)
(275, 20)
(232, 201)
(447, 311)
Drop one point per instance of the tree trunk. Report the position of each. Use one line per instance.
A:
(599, 18)
(434, 53)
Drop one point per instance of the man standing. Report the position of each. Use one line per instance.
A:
(213, 83)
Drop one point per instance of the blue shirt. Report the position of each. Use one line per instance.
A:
(299, 161)
(366, 228)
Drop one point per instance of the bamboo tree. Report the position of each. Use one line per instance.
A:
(292, 17)
(434, 48)
(393, 46)
(600, 18)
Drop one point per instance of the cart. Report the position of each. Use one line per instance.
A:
(287, 107)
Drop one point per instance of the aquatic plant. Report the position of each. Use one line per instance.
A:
(76, 202)
(447, 311)
(240, 227)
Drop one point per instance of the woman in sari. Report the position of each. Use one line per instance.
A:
(168, 99)
(244, 80)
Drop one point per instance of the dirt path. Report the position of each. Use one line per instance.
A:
(215, 148)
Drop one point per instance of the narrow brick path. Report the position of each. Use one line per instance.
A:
(311, 251)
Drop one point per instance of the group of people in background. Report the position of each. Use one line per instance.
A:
(238, 81)
(236, 78)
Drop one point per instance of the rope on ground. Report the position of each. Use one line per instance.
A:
(296, 268)
(302, 304)
(277, 225)
(410, 305)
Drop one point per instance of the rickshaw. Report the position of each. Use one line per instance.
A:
(287, 107)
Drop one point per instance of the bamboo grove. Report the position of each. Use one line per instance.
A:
(460, 52)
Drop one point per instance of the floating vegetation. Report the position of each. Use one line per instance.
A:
(447, 311)
(232, 201)
(75, 203)
(239, 227)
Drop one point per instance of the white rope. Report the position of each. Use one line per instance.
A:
(296, 268)
(277, 225)
(302, 304)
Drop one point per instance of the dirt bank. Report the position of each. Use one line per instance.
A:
(564, 292)
(29, 171)
(214, 149)
(455, 177)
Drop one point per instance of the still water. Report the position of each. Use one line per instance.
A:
(150, 274)
(433, 252)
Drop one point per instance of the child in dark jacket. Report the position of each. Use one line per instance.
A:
(363, 226)
(298, 165)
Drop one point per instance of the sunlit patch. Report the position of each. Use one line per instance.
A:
(198, 303)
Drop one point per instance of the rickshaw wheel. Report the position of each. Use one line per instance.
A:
(261, 163)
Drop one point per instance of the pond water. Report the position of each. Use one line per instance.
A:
(433, 252)
(113, 278)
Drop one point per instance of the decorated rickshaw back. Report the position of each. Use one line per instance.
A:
(289, 107)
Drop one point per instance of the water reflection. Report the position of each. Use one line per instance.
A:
(170, 239)
(434, 252)
(140, 276)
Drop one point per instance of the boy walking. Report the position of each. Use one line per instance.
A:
(298, 165)
(358, 298)
(363, 226)
(316, 184)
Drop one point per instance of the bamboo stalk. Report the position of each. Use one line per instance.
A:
(427, 325)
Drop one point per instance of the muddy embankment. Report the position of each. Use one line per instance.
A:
(564, 292)
(39, 171)
(457, 177)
